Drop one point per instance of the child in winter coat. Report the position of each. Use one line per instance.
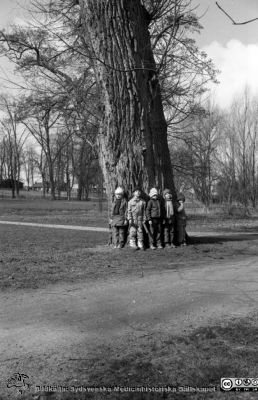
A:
(180, 220)
(118, 218)
(136, 217)
(155, 215)
(169, 219)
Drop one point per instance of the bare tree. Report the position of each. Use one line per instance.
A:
(29, 157)
(196, 152)
(53, 71)
(239, 154)
(14, 139)
(43, 120)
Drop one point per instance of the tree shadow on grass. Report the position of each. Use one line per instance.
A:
(197, 359)
(220, 239)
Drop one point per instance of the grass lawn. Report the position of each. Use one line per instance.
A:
(85, 213)
(198, 359)
(92, 213)
(32, 258)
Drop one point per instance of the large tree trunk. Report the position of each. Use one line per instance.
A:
(133, 148)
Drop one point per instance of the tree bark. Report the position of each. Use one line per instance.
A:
(133, 147)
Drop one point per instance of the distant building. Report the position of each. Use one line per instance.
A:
(8, 184)
(38, 186)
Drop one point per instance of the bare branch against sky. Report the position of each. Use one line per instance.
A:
(232, 20)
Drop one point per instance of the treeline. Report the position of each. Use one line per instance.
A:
(48, 129)
(216, 155)
(56, 159)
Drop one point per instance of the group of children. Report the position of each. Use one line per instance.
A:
(156, 223)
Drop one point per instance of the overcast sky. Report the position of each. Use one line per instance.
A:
(233, 48)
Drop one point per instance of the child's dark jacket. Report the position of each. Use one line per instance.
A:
(180, 214)
(118, 212)
(155, 209)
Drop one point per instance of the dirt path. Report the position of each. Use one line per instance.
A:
(45, 326)
(56, 226)
(246, 234)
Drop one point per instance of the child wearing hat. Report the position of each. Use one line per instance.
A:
(180, 220)
(118, 218)
(136, 217)
(169, 219)
(155, 215)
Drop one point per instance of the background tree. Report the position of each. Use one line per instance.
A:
(29, 163)
(54, 75)
(239, 151)
(43, 119)
(14, 138)
(196, 151)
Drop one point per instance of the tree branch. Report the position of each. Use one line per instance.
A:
(232, 20)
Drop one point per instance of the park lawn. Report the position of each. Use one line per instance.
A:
(93, 213)
(199, 358)
(32, 258)
(45, 211)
